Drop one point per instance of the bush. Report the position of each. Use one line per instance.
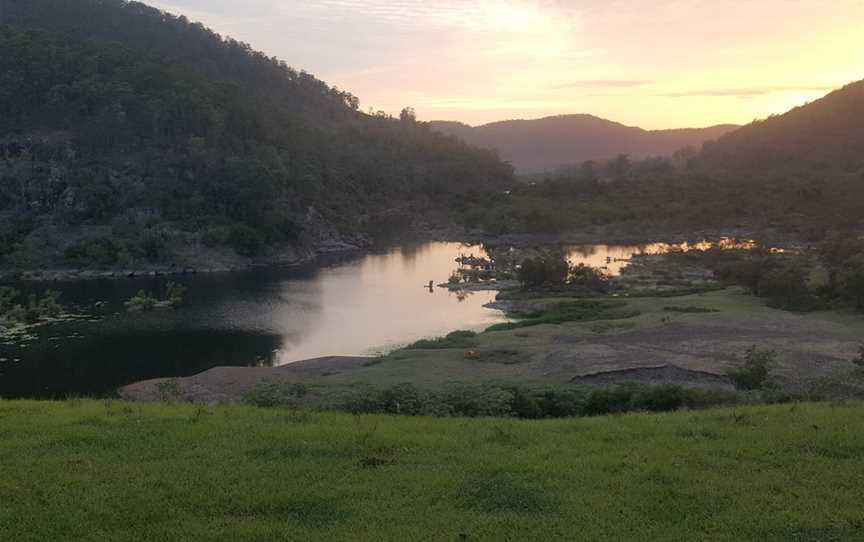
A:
(529, 402)
(143, 301)
(690, 310)
(569, 311)
(548, 270)
(275, 394)
(101, 251)
(786, 286)
(852, 280)
(859, 361)
(245, 240)
(456, 339)
(589, 278)
(15, 308)
(754, 372)
(174, 293)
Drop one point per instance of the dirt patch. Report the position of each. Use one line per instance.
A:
(227, 384)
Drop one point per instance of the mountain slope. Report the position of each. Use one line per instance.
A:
(132, 137)
(827, 134)
(548, 143)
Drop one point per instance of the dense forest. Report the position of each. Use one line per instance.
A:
(128, 136)
(801, 172)
(824, 136)
(545, 144)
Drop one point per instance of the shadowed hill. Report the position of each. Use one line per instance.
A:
(824, 135)
(548, 143)
(129, 136)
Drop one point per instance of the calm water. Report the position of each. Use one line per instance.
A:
(614, 258)
(365, 305)
(361, 306)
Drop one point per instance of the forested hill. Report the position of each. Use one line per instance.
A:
(826, 135)
(548, 143)
(129, 136)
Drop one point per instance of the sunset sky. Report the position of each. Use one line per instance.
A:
(655, 64)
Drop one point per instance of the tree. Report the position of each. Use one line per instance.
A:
(408, 115)
(550, 269)
(590, 278)
(852, 280)
(753, 373)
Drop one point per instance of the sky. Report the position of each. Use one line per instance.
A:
(648, 63)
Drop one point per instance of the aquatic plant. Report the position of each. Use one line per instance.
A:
(143, 301)
(16, 309)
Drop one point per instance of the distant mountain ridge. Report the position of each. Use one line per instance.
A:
(551, 142)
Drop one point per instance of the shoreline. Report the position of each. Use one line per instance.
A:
(294, 257)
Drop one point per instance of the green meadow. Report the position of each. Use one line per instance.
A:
(110, 470)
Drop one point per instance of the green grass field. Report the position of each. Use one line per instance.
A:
(94, 470)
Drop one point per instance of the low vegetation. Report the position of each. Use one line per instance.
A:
(551, 271)
(830, 276)
(529, 401)
(754, 372)
(241, 473)
(145, 301)
(456, 339)
(18, 308)
(582, 310)
(690, 310)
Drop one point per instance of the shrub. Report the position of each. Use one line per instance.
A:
(16, 309)
(529, 402)
(785, 286)
(754, 372)
(245, 240)
(852, 280)
(456, 339)
(275, 394)
(143, 301)
(174, 293)
(570, 311)
(101, 251)
(474, 401)
(859, 361)
(548, 270)
(689, 310)
(589, 278)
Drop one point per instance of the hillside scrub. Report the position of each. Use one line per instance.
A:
(139, 133)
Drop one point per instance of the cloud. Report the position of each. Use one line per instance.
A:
(747, 92)
(604, 83)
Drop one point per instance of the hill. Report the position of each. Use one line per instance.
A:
(823, 136)
(130, 137)
(548, 143)
(108, 470)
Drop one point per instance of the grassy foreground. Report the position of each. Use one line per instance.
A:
(93, 470)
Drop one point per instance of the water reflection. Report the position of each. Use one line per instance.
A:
(377, 302)
(359, 306)
(614, 258)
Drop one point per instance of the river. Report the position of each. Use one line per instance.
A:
(364, 305)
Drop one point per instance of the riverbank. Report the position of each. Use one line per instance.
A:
(193, 259)
(215, 262)
(688, 340)
(109, 470)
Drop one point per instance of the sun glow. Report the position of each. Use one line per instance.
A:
(659, 64)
